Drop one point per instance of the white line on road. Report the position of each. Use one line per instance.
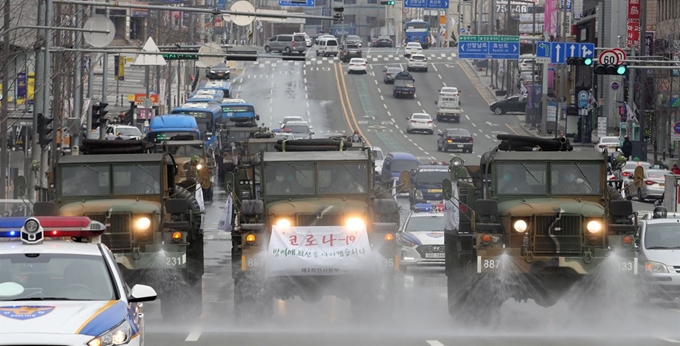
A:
(389, 114)
(193, 336)
(467, 117)
(435, 68)
(385, 106)
(473, 124)
(382, 98)
(434, 343)
(270, 109)
(379, 90)
(673, 341)
(305, 80)
(304, 72)
(307, 95)
(305, 88)
(376, 81)
(419, 103)
(440, 76)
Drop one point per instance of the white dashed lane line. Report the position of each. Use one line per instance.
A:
(434, 343)
(440, 76)
(672, 341)
(193, 337)
(467, 117)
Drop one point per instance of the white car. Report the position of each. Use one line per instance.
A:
(357, 65)
(420, 122)
(299, 129)
(608, 142)
(283, 122)
(421, 241)
(416, 62)
(413, 48)
(449, 91)
(123, 132)
(60, 286)
(379, 158)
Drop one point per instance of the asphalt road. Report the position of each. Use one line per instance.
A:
(319, 91)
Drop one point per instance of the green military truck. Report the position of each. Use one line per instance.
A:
(306, 198)
(153, 225)
(230, 146)
(194, 164)
(541, 218)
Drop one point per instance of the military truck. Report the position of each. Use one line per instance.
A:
(298, 197)
(194, 164)
(230, 146)
(542, 218)
(153, 225)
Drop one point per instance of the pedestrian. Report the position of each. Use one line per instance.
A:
(627, 148)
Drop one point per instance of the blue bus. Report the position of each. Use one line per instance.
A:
(207, 116)
(172, 127)
(237, 111)
(204, 98)
(417, 31)
(223, 86)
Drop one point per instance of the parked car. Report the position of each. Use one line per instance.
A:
(510, 104)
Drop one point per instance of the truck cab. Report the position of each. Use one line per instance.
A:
(448, 108)
(404, 85)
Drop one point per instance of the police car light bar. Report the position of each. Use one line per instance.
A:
(428, 207)
(52, 226)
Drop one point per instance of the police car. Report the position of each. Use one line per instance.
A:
(59, 292)
(421, 240)
(659, 254)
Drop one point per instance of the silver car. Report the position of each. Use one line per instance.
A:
(653, 185)
(286, 44)
(421, 241)
(299, 129)
(659, 257)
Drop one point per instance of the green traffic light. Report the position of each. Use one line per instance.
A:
(621, 70)
(588, 61)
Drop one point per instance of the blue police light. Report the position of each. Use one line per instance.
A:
(422, 207)
(10, 227)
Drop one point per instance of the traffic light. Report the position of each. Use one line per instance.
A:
(338, 17)
(44, 130)
(388, 2)
(95, 117)
(612, 70)
(580, 61)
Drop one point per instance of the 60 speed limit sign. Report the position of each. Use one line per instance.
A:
(609, 57)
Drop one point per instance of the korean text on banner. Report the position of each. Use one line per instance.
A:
(225, 219)
(452, 211)
(201, 203)
(314, 251)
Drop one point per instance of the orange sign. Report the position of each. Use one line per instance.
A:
(139, 98)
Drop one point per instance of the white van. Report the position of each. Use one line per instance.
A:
(327, 46)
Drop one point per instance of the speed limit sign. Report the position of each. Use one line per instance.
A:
(609, 57)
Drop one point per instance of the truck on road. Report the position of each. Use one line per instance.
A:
(448, 108)
(404, 85)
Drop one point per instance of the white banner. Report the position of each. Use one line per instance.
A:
(452, 211)
(201, 203)
(225, 219)
(313, 251)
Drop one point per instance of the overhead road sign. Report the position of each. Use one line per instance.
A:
(299, 3)
(441, 4)
(488, 47)
(559, 52)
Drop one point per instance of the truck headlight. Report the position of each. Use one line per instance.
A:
(199, 166)
(143, 223)
(520, 226)
(655, 267)
(594, 226)
(283, 223)
(118, 335)
(419, 194)
(355, 224)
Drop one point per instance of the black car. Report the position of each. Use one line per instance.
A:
(382, 42)
(455, 138)
(220, 71)
(350, 51)
(510, 104)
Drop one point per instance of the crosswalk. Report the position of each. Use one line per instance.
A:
(370, 58)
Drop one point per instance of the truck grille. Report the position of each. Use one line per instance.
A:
(326, 220)
(117, 235)
(563, 236)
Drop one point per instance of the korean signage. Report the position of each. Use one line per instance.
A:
(633, 23)
(193, 114)
(331, 250)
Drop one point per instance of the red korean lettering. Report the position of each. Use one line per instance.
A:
(293, 240)
(310, 241)
(329, 239)
(350, 240)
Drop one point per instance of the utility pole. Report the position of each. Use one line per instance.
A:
(508, 81)
(492, 26)
(40, 81)
(643, 90)
(480, 10)
(105, 82)
(4, 116)
(78, 83)
(47, 90)
(563, 76)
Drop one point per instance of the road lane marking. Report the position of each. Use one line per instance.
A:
(382, 98)
(435, 69)
(419, 105)
(434, 343)
(351, 109)
(378, 88)
(672, 341)
(342, 102)
(193, 337)
(473, 124)
(511, 129)
(474, 84)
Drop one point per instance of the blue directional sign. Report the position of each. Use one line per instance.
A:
(583, 99)
(308, 3)
(559, 52)
(442, 4)
(488, 47)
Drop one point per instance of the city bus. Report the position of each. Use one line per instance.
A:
(171, 127)
(207, 116)
(417, 31)
(223, 86)
(239, 112)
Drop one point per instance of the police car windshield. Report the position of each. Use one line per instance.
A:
(428, 223)
(399, 166)
(432, 177)
(662, 236)
(47, 276)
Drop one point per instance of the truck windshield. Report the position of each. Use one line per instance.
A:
(85, 180)
(662, 236)
(289, 179)
(136, 179)
(185, 150)
(432, 177)
(575, 178)
(343, 178)
(521, 178)
(399, 166)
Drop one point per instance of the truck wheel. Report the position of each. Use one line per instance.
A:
(182, 299)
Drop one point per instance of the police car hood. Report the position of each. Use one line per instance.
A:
(425, 237)
(60, 317)
(112, 205)
(536, 206)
